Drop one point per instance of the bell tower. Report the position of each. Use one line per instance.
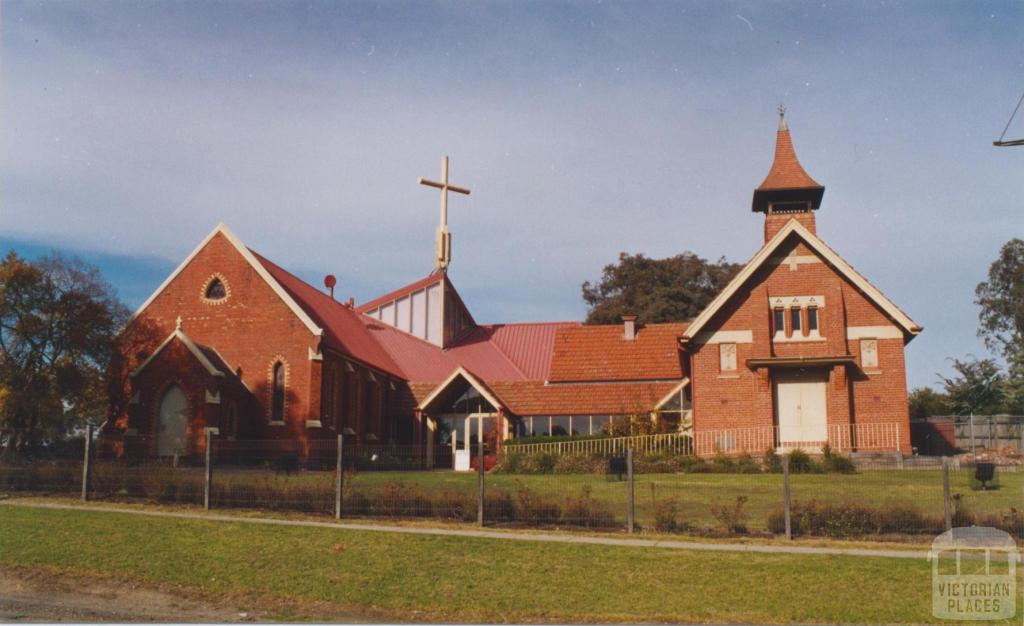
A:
(788, 191)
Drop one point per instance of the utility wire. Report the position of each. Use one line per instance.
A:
(1009, 121)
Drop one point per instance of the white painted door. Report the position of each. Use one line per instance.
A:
(170, 437)
(800, 407)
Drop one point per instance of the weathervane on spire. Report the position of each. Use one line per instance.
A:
(443, 243)
(782, 117)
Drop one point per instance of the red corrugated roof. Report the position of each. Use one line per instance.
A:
(528, 345)
(786, 171)
(421, 361)
(601, 353)
(344, 330)
(535, 398)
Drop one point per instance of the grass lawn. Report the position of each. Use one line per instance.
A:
(697, 492)
(465, 579)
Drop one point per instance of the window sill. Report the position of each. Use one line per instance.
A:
(275, 423)
(797, 339)
(873, 372)
(314, 424)
(730, 375)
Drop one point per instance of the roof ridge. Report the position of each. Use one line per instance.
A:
(415, 285)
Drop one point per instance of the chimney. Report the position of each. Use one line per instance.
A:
(629, 327)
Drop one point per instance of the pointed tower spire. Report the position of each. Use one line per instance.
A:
(788, 191)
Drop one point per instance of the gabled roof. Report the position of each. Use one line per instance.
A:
(344, 329)
(474, 381)
(793, 227)
(247, 254)
(205, 356)
(602, 353)
(422, 283)
(422, 361)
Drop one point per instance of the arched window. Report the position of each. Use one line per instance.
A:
(277, 394)
(215, 290)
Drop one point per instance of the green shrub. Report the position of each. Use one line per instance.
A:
(531, 507)
(845, 520)
(399, 499)
(454, 505)
(731, 517)
(666, 515)
(581, 464)
(772, 461)
(746, 464)
(801, 463)
(586, 511)
(836, 463)
(499, 506)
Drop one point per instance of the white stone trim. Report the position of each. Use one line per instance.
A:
(797, 337)
(791, 302)
(206, 285)
(794, 260)
(762, 255)
(183, 338)
(212, 398)
(256, 265)
(314, 424)
(472, 380)
(668, 396)
(279, 358)
(725, 336)
(873, 332)
(315, 356)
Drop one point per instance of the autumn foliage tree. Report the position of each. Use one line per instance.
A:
(657, 290)
(58, 325)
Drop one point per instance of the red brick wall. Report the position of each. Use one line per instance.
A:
(250, 329)
(773, 222)
(744, 398)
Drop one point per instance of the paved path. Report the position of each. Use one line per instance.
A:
(498, 534)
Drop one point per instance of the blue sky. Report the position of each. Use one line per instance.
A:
(129, 130)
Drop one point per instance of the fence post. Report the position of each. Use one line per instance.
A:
(209, 469)
(480, 479)
(948, 500)
(87, 463)
(785, 497)
(974, 448)
(630, 520)
(339, 481)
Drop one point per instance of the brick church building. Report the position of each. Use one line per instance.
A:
(798, 350)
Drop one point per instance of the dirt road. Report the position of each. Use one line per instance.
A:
(37, 596)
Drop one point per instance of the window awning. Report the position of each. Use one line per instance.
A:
(801, 361)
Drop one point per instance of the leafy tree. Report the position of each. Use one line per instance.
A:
(1013, 385)
(926, 402)
(657, 290)
(1001, 299)
(58, 321)
(977, 387)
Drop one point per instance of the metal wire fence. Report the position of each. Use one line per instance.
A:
(793, 495)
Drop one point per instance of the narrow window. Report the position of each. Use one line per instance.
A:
(812, 320)
(779, 320)
(277, 397)
(794, 320)
(215, 290)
